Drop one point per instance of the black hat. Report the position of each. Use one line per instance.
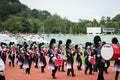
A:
(68, 43)
(115, 40)
(59, 44)
(97, 40)
(41, 44)
(52, 41)
(11, 43)
(88, 44)
(76, 46)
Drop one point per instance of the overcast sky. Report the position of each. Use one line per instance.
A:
(77, 9)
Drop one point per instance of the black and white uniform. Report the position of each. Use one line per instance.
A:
(78, 59)
(70, 62)
(52, 55)
(60, 52)
(4, 54)
(42, 60)
(28, 60)
(88, 54)
(2, 68)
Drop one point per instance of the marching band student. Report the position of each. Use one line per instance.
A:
(42, 57)
(21, 58)
(78, 58)
(18, 53)
(36, 56)
(117, 62)
(60, 52)
(88, 55)
(100, 62)
(29, 59)
(4, 52)
(70, 58)
(12, 53)
(97, 41)
(2, 68)
(52, 54)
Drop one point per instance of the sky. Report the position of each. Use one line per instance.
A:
(77, 9)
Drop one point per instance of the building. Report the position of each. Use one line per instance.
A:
(108, 30)
(93, 30)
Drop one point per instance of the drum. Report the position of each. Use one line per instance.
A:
(110, 51)
(58, 62)
(92, 61)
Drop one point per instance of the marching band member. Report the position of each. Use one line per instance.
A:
(70, 58)
(52, 54)
(36, 57)
(4, 52)
(100, 62)
(2, 68)
(12, 53)
(61, 53)
(97, 41)
(117, 62)
(21, 57)
(88, 55)
(42, 57)
(29, 59)
(78, 58)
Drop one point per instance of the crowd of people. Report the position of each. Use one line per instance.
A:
(26, 53)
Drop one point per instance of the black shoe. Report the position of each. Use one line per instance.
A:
(28, 72)
(85, 73)
(63, 71)
(42, 72)
(73, 75)
(68, 75)
(106, 73)
(54, 77)
(36, 66)
(91, 74)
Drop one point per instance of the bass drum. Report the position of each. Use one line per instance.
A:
(110, 51)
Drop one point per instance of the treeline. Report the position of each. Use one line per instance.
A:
(18, 18)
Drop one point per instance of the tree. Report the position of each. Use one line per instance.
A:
(13, 24)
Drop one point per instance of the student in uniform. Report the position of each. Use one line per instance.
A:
(100, 62)
(78, 58)
(117, 62)
(42, 57)
(36, 56)
(60, 53)
(70, 58)
(52, 54)
(2, 68)
(4, 52)
(29, 58)
(12, 53)
(88, 55)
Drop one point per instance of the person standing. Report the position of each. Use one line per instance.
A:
(100, 62)
(4, 52)
(52, 54)
(29, 54)
(70, 58)
(42, 57)
(78, 58)
(117, 62)
(88, 55)
(61, 54)
(12, 53)
(2, 68)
